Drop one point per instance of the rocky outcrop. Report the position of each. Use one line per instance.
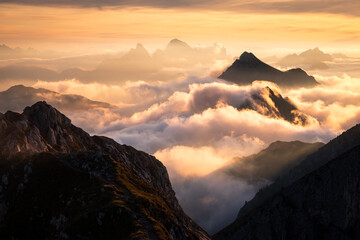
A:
(318, 199)
(270, 103)
(249, 68)
(59, 182)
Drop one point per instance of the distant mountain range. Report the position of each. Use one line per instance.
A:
(312, 59)
(137, 64)
(317, 199)
(7, 52)
(249, 68)
(17, 97)
(59, 182)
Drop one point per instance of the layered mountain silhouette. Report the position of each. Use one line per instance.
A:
(269, 164)
(7, 52)
(310, 59)
(59, 182)
(317, 199)
(137, 64)
(249, 68)
(17, 97)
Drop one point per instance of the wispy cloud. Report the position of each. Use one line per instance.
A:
(349, 7)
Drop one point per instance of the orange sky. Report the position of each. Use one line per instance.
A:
(113, 28)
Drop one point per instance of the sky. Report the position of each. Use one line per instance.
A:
(267, 26)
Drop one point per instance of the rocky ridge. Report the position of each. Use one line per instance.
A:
(59, 182)
(318, 199)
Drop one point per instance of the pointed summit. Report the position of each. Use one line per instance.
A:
(176, 42)
(315, 54)
(177, 47)
(249, 68)
(248, 57)
(43, 115)
(56, 128)
(137, 53)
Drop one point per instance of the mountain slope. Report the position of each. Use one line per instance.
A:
(318, 199)
(249, 68)
(267, 165)
(59, 182)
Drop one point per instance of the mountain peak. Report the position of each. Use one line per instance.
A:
(248, 57)
(176, 43)
(78, 172)
(139, 46)
(17, 89)
(137, 53)
(41, 108)
(48, 120)
(249, 68)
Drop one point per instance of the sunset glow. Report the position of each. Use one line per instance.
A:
(87, 28)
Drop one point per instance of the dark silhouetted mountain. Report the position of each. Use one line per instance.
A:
(59, 182)
(318, 199)
(249, 68)
(18, 97)
(270, 103)
(270, 163)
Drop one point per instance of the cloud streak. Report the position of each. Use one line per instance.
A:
(348, 7)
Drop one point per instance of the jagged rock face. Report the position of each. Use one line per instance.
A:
(249, 68)
(57, 129)
(322, 205)
(317, 199)
(270, 103)
(19, 135)
(63, 183)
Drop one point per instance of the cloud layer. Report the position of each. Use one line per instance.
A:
(196, 124)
